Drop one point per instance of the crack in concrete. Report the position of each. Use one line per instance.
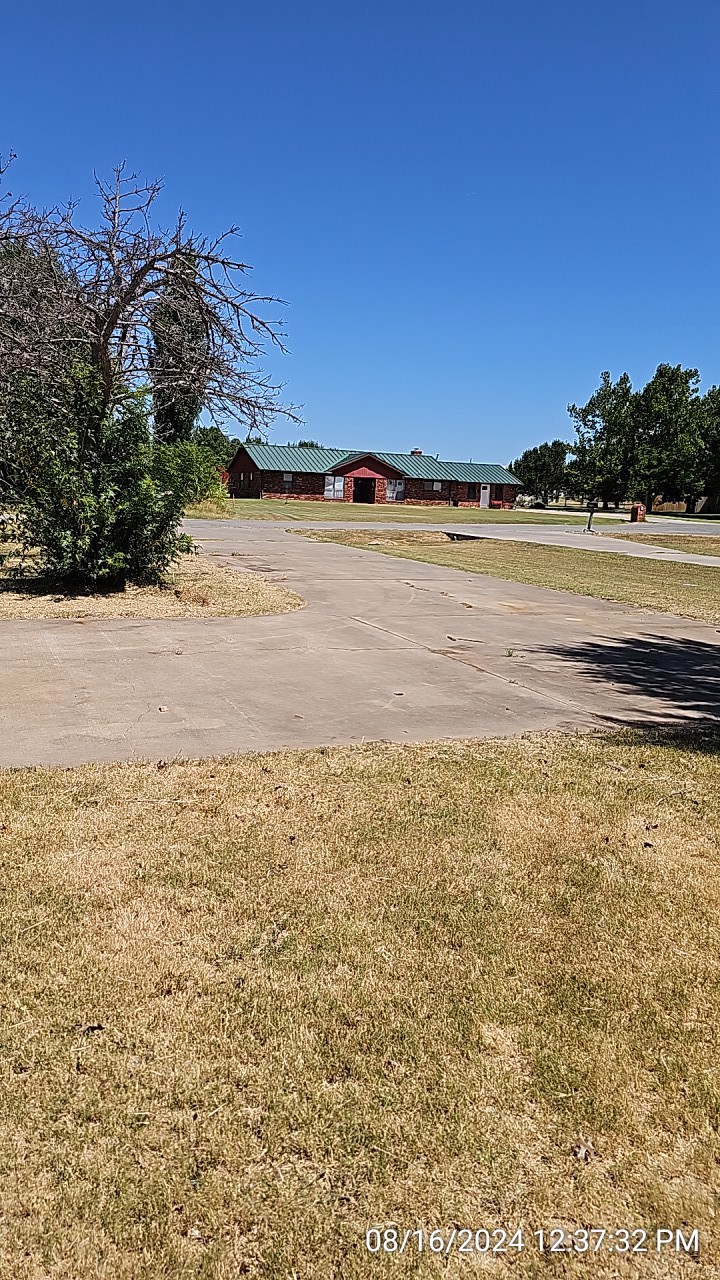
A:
(522, 684)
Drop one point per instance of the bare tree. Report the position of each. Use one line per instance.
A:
(97, 288)
(178, 358)
(77, 311)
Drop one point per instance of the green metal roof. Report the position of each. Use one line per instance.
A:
(315, 461)
(425, 467)
(288, 457)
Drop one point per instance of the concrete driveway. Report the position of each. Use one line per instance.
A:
(640, 545)
(385, 649)
(548, 535)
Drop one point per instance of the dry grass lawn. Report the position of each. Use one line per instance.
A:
(294, 509)
(196, 588)
(694, 544)
(692, 591)
(254, 1006)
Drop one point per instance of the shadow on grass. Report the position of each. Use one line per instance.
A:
(699, 736)
(33, 585)
(683, 674)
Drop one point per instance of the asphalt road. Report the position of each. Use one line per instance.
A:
(384, 649)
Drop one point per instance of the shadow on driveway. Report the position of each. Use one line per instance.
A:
(682, 673)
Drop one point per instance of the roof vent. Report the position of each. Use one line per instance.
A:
(416, 453)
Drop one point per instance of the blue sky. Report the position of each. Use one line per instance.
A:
(472, 208)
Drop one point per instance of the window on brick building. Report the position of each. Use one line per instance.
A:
(334, 487)
(432, 486)
(472, 491)
(396, 490)
(287, 481)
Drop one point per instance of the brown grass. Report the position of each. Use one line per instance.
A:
(694, 544)
(196, 588)
(692, 591)
(253, 1006)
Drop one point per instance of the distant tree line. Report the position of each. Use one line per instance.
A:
(542, 471)
(661, 442)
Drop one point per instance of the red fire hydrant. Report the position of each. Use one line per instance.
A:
(637, 512)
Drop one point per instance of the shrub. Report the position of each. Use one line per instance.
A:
(188, 471)
(91, 512)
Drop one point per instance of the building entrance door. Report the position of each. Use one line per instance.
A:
(485, 495)
(363, 489)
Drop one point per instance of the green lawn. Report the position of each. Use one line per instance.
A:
(254, 1006)
(275, 509)
(693, 591)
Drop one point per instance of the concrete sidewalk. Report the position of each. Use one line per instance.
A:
(385, 649)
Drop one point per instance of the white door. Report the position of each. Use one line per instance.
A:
(484, 495)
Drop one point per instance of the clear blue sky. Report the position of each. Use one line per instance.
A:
(472, 207)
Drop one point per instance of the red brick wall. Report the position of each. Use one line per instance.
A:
(380, 489)
(460, 492)
(311, 488)
(454, 491)
(248, 487)
(503, 492)
(371, 468)
(243, 465)
(417, 495)
(306, 487)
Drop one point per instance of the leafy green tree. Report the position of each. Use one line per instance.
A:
(76, 306)
(669, 457)
(75, 472)
(304, 444)
(603, 459)
(581, 472)
(222, 447)
(710, 458)
(541, 470)
(527, 470)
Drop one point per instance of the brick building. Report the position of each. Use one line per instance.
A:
(342, 475)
